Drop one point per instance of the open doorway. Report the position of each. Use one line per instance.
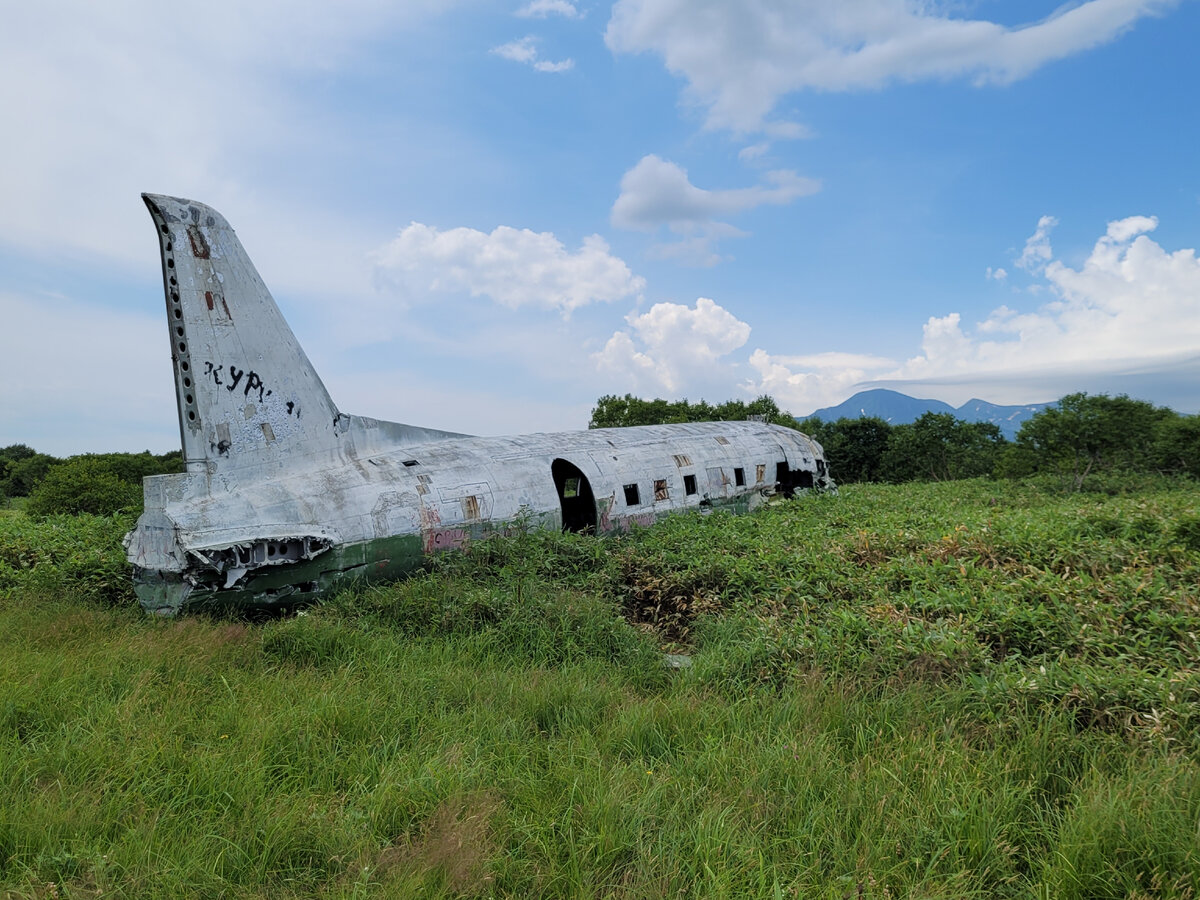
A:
(575, 496)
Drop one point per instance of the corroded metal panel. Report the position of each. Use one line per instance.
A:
(285, 496)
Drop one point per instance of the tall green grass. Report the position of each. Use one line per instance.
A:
(958, 690)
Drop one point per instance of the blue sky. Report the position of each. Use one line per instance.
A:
(482, 216)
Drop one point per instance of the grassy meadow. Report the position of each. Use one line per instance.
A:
(971, 689)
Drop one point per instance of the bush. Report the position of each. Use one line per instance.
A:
(84, 484)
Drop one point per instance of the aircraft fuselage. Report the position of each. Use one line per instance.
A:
(285, 497)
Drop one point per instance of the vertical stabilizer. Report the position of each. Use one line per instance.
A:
(248, 396)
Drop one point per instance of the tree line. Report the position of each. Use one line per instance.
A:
(1083, 437)
(100, 483)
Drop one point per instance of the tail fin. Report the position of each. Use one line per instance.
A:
(248, 396)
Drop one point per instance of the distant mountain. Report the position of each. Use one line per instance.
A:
(900, 409)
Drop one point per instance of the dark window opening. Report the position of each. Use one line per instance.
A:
(411, 462)
(660, 489)
(689, 484)
(575, 496)
(739, 477)
(632, 497)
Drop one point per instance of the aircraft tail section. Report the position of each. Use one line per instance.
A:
(248, 396)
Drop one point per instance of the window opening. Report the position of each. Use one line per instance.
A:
(632, 497)
(681, 460)
(689, 484)
(739, 477)
(660, 489)
(760, 472)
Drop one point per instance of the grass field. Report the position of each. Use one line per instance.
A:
(948, 690)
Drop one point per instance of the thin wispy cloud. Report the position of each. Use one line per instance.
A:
(525, 51)
(657, 193)
(542, 9)
(739, 58)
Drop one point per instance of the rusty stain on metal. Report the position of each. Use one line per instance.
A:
(275, 509)
(199, 243)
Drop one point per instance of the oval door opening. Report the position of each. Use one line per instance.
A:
(574, 496)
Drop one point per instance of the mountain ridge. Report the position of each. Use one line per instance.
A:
(900, 409)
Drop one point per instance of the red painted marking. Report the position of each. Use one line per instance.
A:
(208, 298)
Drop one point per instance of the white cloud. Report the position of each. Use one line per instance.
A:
(514, 267)
(540, 9)
(741, 56)
(753, 151)
(1132, 309)
(997, 274)
(525, 51)
(1037, 250)
(805, 383)
(671, 344)
(657, 192)
(543, 65)
(522, 51)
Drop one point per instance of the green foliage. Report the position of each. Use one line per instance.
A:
(936, 447)
(1086, 434)
(1177, 445)
(854, 448)
(79, 556)
(100, 484)
(942, 447)
(21, 468)
(621, 412)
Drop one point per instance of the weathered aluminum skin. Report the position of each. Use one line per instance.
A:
(285, 497)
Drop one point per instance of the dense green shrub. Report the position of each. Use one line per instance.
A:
(98, 483)
(83, 484)
(78, 556)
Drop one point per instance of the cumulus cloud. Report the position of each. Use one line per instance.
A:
(540, 9)
(740, 56)
(525, 51)
(671, 344)
(657, 192)
(1131, 307)
(514, 267)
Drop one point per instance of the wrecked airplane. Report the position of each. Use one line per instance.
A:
(285, 497)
